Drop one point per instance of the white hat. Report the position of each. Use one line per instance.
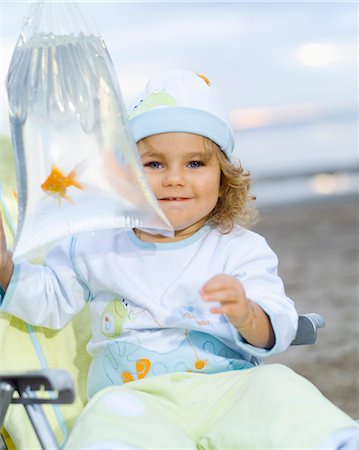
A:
(182, 101)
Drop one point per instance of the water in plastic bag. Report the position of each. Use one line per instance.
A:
(77, 164)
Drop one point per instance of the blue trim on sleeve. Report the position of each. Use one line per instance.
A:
(258, 352)
(77, 271)
(6, 297)
(244, 345)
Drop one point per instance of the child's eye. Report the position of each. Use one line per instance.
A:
(195, 164)
(153, 164)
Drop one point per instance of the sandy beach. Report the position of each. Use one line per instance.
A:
(317, 244)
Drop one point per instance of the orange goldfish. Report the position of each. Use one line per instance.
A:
(57, 183)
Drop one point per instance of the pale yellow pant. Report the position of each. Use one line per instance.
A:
(267, 407)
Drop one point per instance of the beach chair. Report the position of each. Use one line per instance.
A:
(51, 370)
(43, 373)
(57, 360)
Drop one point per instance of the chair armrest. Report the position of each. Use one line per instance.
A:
(31, 389)
(56, 382)
(307, 328)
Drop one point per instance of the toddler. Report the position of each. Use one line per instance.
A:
(181, 324)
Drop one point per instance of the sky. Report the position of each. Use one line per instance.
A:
(276, 64)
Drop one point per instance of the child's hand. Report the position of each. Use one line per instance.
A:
(6, 264)
(248, 317)
(229, 292)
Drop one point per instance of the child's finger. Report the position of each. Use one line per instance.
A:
(230, 309)
(218, 282)
(221, 295)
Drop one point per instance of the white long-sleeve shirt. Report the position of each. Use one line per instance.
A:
(148, 316)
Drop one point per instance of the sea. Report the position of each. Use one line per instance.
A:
(302, 161)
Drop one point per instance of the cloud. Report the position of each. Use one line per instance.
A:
(292, 114)
(248, 51)
(163, 33)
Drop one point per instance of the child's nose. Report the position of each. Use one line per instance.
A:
(173, 178)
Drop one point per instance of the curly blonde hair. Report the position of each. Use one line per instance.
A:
(235, 203)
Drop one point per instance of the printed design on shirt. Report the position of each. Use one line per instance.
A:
(217, 354)
(133, 315)
(142, 368)
(195, 315)
(117, 312)
(125, 361)
(199, 363)
(114, 317)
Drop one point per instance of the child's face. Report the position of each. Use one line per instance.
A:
(184, 177)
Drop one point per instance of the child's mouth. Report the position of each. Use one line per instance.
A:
(174, 199)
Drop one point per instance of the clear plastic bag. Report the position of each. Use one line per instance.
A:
(77, 164)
